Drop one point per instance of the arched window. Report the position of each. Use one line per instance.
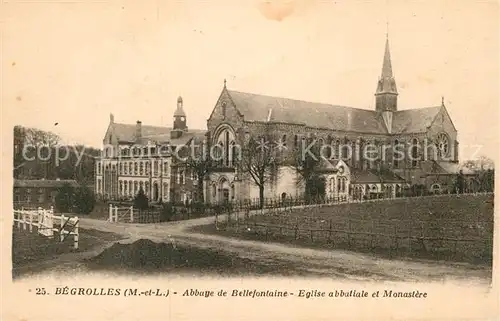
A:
(414, 152)
(232, 153)
(214, 190)
(136, 168)
(395, 157)
(181, 177)
(141, 168)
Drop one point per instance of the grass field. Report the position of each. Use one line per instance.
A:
(449, 227)
(29, 248)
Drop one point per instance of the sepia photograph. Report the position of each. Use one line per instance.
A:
(308, 141)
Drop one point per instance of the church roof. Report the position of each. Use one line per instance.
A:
(413, 120)
(262, 108)
(256, 107)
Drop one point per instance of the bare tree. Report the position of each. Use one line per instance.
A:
(260, 159)
(201, 163)
(306, 160)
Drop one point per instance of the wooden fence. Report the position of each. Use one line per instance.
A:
(47, 223)
(454, 236)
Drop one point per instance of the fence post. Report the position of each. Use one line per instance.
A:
(131, 214)
(40, 218)
(61, 234)
(330, 232)
(349, 232)
(31, 221)
(76, 233)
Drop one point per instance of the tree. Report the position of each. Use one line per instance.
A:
(260, 160)
(65, 198)
(201, 163)
(84, 200)
(460, 182)
(141, 201)
(306, 162)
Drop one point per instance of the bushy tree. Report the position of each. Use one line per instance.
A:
(65, 198)
(141, 201)
(84, 200)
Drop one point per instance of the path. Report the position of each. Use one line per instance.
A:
(331, 263)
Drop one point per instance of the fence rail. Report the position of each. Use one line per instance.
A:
(468, 236)
(47, 223)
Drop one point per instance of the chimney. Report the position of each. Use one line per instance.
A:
(138, 130)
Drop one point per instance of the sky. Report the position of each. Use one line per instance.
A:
(75, 62)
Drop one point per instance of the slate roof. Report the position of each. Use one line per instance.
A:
(262, 108)
(43, 183)
(413, 120)
(126, 132)
(255, 107)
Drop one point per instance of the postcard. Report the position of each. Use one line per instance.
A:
(249, 160)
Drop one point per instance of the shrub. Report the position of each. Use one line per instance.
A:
(167, 212)
(65, 198)
(84, 200)
(141, 201)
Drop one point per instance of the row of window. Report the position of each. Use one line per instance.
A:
(131, 188)
(341, 184)
(140, 168)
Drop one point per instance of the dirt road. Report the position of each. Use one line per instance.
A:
(328, 263)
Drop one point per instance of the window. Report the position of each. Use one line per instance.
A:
(141, 168)
(414, 153)
(224, 107)
(181, 177)
(147, 168)
(214, 190)
(283, 140)
(121, 168)
(295, 141)
(443, 145)
(395, 157)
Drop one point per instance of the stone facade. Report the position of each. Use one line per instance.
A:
(426, 136)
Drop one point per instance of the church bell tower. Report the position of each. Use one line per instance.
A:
(386, 96)
(180, 122)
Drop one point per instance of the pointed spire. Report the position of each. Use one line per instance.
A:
(442, 100)
(387, 66)
(225, 82)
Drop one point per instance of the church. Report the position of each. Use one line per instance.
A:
(133, 158)
(426, 134)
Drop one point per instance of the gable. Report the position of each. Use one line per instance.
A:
(443, 121)
(225, 110)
